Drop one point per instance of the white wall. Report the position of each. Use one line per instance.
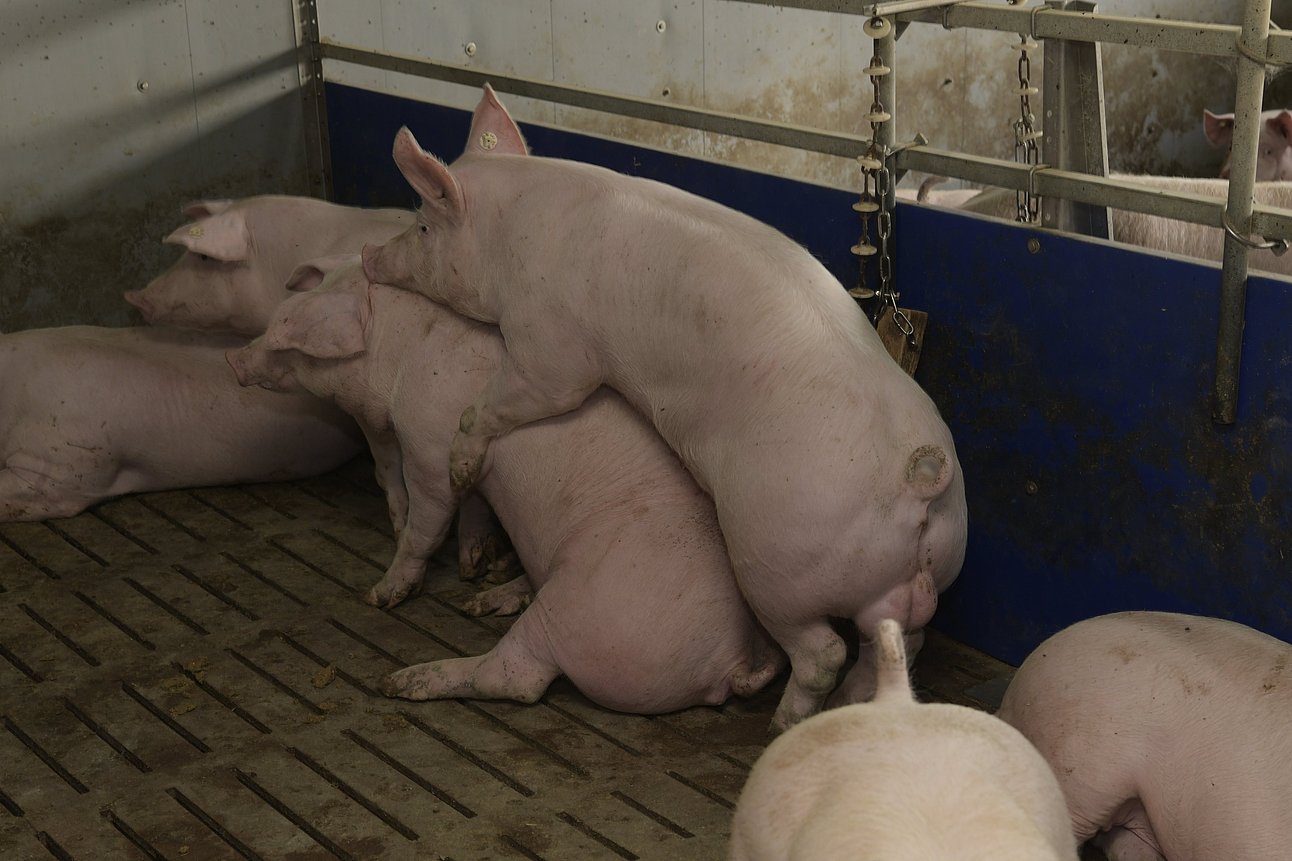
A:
(788, 65)
(115, 112)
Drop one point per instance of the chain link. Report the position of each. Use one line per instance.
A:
(876, 199)
(1027, 149)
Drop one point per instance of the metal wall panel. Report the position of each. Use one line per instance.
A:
(117, 113)
(956, 87)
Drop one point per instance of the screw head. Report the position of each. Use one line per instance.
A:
(142, 86)
(661, 26)
(1034, 245)
(470, 49)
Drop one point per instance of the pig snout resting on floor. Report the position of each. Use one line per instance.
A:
(835, 480)
(895, 779)
(1171, 735)
(239, 253)
(635, 603)
(1274, 142)
(88, 413)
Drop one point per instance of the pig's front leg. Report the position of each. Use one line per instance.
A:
(31, 490)
(479, 536)
(429, 516)
(388, 465)
(519, 668)
(528, 385)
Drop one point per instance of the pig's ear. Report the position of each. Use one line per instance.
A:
(1219, 128)
(203, 208)
(493, 130)
(1281, 124)
(311, 273)
(224, 236)
(328, 325)
(429, 177)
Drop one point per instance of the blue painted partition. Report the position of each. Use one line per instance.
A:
(1075, 378)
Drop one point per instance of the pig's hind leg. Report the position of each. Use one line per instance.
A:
(519, 668)
(529, 385)
(505, 600)
(25, 495)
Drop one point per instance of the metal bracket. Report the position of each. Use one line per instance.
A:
(1073, 109)
(318, 159)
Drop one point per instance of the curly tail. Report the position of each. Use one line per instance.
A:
(929, 471)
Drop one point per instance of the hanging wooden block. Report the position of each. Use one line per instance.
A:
(898, 344)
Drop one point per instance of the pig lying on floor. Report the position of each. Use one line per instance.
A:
(636, 602)
(894, 779)
(835, 480)
(1171, 735)
(239, 253)
(88, 413)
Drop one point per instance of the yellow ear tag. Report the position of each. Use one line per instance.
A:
(196, 230)
(488, 140)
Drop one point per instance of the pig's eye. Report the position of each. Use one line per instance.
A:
(424, 228)
(204, 258)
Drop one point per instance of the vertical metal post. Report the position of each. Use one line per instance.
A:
(1238, 210)
(318, 162)
(1073, 118)
(886, 51)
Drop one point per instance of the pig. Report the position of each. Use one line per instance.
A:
(1274, 142)
(88, 413)
(238, 254)
(897, 779)
(635, 599)
(835, 480)
(1171, 735)
(1164, 234)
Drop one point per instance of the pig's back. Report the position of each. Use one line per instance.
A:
(166, 406)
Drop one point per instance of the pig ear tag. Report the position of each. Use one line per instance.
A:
(196, 230)
(488, 141)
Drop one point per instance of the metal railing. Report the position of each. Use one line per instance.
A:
(1252, 46)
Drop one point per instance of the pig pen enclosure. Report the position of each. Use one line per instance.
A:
(191, 674)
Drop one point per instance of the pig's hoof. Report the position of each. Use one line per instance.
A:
(470, 561)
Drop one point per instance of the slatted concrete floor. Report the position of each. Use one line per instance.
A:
(190, 675)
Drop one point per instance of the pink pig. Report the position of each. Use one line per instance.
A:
(835, 480)
(897, 779)
(1274, 142)
(238, 254)
(88, 413)
(1171, 735)
(635, 603)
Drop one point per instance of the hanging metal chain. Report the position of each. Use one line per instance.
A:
(876, 194)
(1027, 150)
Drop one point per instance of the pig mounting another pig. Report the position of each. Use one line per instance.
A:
(835, 480)
(88, 413)
(1171, 735)
(635, 603)
(894, 779)
(239, 253)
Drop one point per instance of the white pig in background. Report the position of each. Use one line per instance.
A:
(835, 480)
(1171, 735)
(88, 413)
(896, 780)
(239, 253)
(1274, 142)
(636, 602)
(1165, 234)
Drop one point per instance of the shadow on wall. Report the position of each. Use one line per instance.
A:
(72, 266)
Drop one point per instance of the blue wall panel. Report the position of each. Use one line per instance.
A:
(1075, 378)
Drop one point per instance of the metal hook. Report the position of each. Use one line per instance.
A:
(1248, 54)
(1278, 246)
(1031, 178)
